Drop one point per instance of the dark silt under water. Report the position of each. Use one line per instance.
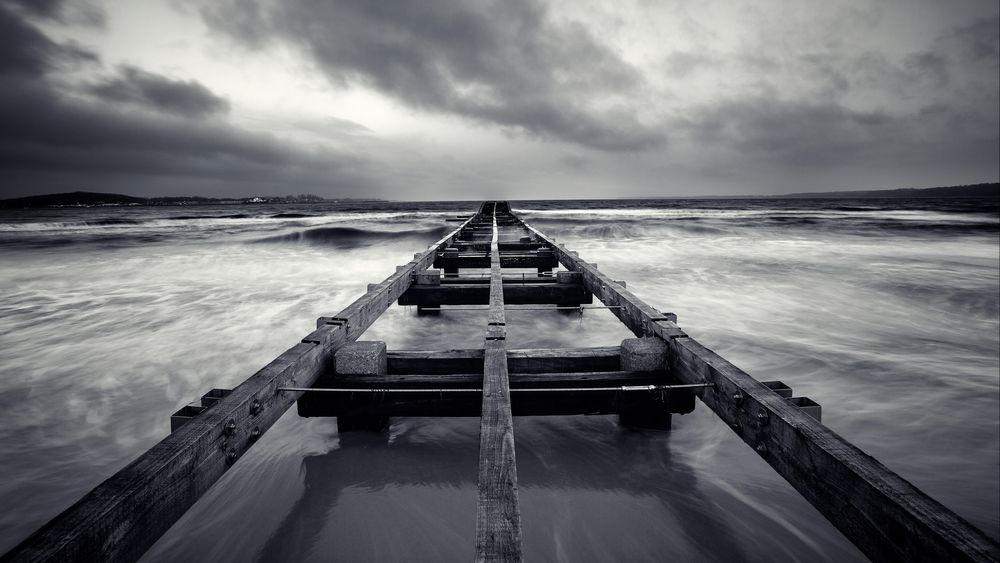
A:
(883, 311)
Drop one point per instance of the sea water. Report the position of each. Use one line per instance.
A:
(883, 311)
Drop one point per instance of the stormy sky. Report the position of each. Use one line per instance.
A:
(452, 99)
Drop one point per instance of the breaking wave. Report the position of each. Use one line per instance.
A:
(350, 237)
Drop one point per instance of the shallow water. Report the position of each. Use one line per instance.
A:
(885, 312)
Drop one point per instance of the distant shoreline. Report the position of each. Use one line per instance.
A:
(97, 199)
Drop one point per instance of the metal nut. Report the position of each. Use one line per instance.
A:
(738, 398)
(230, 428)
(231, 456)
(255, 434)
(254, 407)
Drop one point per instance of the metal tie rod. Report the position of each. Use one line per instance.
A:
(624, 388)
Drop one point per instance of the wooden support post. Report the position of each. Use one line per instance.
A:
(361, 358)
(645, 355)
(498, 516)
(427, 278)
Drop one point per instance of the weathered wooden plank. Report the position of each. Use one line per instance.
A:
(120, 518)
(482, 260)
(885, 516)
(537, 360)
(396, 395)
(498, 516)
(479, 294)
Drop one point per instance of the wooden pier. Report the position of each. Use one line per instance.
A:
(645, 381)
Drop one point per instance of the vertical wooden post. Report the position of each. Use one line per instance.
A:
(364, 357)
(645, 354)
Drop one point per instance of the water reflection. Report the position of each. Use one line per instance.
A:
(589, 490)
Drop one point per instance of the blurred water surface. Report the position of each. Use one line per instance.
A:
(885, 312)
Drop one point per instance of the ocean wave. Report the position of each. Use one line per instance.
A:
(350, 237)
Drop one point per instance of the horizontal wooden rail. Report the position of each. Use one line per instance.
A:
(884, 515)
(534, 394)
(528, 360)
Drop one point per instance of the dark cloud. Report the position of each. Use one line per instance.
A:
(27, 51)
(981, 39)
(505, 63)
(136, 86)
(57, 140)
(801, 138)
(82, 12)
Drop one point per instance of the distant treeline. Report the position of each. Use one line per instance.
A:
(991, 190)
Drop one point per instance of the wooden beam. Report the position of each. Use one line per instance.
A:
(537, 360)
(498, 516)
(479, 294)
(120, 518)
(884, 515)
(482, 260)
(398, 395)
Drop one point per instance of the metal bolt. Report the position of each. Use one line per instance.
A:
(254, 407)
(762, 416)
(231, 456)
(230, 428)
(761, 448)
(738, 398)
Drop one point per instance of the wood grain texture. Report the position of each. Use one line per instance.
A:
(120, 518)
(884, 515)
(498, 516)
(528, 360)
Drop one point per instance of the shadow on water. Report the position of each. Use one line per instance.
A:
(566, 463)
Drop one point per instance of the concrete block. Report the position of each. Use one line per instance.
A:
(643, 354)
(569, 277)
(427, 277)
(367, 357)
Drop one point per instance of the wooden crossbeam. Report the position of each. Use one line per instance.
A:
(884, 515)
(528, 360)
(401, 395)
(513, 294)
(498, 516)
(483, 260)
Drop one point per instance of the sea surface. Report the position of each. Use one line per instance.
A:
(883, 311)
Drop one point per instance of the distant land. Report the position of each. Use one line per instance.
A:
(970, 190)
(95, 199)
